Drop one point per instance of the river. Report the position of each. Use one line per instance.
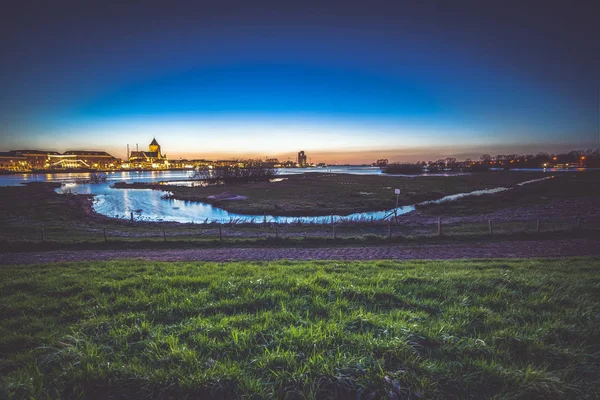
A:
(149, 205)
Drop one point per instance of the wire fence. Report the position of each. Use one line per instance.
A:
(379, 229)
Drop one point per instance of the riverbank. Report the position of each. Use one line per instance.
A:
(298, 170)
(35, 216)
(85, 170)
(566, 195)
(320, 194)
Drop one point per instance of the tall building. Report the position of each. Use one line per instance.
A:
(301, 159)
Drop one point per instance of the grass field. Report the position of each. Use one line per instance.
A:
(342, 194)
(566, 186)
(454, 329)
(68, 220)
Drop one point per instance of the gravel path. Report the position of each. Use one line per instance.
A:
(522, 249)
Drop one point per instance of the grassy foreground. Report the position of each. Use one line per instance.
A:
(452, 329)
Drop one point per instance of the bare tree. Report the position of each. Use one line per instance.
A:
(98, 177)
(242, 171)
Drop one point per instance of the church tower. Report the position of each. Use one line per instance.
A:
(154, 146)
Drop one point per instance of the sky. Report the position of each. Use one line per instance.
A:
(347, 82)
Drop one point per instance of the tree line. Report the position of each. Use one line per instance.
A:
(589, 158)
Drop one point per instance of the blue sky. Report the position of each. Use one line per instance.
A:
(403, 81)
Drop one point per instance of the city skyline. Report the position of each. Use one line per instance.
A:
(368, 157)
(345, 84)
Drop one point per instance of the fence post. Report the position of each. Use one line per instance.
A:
(578, 222)
(265, 219)
(332, 219)
(276, 231)
(43, 235)
(164, 235)
(105, 239)
(538, 225)
(491, 227)
(440, 226)
(132, 216)
(334, 231)
(220, 234)
(389, 229)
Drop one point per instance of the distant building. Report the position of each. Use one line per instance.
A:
(75, 159)
(301, 159)
(62, 161)
(93, 159)
(37, 159)
(189, 164)
(81, 159)
(11, 162)
(153, 158)
(228, 163)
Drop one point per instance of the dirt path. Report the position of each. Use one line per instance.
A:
(523, 249)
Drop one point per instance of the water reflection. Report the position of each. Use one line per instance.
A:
(154, 205)
(128, 176)
(149, 205)
(181, 176)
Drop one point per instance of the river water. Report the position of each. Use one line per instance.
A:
(156, 176)
(149, 205)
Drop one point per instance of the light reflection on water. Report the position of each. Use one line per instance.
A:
(64, 177)
(147, 204)
(120, 203)
(151, 205)
(181, 176)
(157, 176)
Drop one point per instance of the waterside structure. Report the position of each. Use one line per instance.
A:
(151, 159)
(23, 161)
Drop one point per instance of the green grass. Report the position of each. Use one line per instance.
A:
(450, 236)
(343, 194)
(70, 221)
(565, 186)
(451, 329)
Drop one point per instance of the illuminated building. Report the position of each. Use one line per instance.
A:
(301, 159)
(153, 158)
(11, 162)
